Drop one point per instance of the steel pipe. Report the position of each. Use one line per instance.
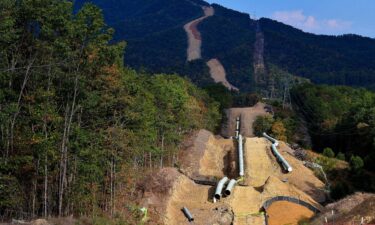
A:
(279, 157)
(237, 127)
(219, 187)
(273, 140)
(188, 214)
(230, 186)
(240, 156)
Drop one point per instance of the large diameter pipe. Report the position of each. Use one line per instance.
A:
(188, 214)
(230, 186)
(237, 126)
(284, 163)
(273, 140)
(279, 157)
(219, 187)
(240, 156)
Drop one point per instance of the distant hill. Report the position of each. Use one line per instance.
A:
(256, 54)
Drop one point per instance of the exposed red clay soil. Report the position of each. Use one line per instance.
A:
(194, 29)
(279, 213)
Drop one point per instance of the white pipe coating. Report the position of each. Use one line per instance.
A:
(187, 213)
(237, 127)
(219, 187)
(240, 156)
(275, 143)
(230, 186)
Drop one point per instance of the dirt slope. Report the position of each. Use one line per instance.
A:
(194, 36)
(209, 158)
(186, 193)
(350, 209)
(218, 74)
(206, 157)
(261, 164)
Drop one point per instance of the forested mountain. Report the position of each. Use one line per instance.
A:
(157, 42)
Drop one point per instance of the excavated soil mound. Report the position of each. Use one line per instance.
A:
(155, 190)
(283, 212)
(186, 193)
(248, 116)
(206, 157)
(261, 164)
(302, 177)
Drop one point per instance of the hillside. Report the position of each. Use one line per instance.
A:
(255, 54)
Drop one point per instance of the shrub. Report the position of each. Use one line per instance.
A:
(340, 156)
(279, 130)
(328, 152)
(356, 163)
(262, 124)
(340, 190)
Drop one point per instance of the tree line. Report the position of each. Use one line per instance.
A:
(76, 126)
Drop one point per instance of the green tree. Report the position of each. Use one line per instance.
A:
(340, 156)
(328, 152)
(262, 124)
(356, 163)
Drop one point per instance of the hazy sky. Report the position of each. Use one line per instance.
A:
(316, 16)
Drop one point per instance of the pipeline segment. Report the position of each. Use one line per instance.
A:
(219, 187)
(275, 143)
(187, 214)
(230, 186)
(237, 127)
(240, 156)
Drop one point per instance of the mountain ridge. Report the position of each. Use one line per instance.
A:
(157, 43)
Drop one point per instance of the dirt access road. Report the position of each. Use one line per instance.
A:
(217, 70)
(194, 36)
(219, 75)
(247, 115)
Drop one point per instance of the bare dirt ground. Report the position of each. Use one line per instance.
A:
(186, 193)
(350, 209)
(262, 164)
(248, 116)
(206, 157)
(219, 75)
(194, 36)
(209, 158)
(279, 213)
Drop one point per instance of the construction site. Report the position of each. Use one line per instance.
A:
(240, 179)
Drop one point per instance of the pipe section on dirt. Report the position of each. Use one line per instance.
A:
(188, 214)
(220, 187)
(230, 187)
(240, 156)
(237, 127)
(279, 157)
